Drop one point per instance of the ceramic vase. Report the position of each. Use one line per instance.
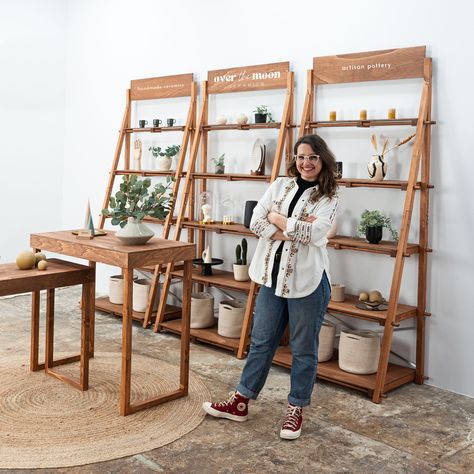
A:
(242, 119)
(221, 120)
(241, 272)
(326, 341)
(202, 310)
(359, 351)
(134, 233)
(377, 168)
(248, 212)
(231, 318)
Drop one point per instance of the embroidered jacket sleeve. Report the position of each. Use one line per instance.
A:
(259, 224)
(311, 233)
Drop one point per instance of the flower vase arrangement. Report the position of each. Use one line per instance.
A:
(377, 166)
(164, 158)
(132, 202)
(241, 268)
(371, 226)
(262, 114)
(219, 164)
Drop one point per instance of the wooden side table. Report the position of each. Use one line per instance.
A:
(109, 250)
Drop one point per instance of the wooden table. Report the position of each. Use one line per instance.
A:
(109, 250)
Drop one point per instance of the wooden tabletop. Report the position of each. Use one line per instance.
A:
(109, 250)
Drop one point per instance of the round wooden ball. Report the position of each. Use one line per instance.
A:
(25, 260)
(42, 265)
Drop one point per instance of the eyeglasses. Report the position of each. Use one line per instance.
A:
(313, 159)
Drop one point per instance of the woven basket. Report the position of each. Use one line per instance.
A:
(231, 318)
(359, 352)
(141, 292)
(326, 341)
(202, 310)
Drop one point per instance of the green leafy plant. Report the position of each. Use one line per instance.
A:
(241, 253)
(219, 161)
(170, 151)
(263, 109)
(136, 198)
(375, 218)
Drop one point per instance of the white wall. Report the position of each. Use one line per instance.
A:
(32, 100)
(111, 42)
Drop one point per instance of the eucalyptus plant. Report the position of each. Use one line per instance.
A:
(170, 151)
(136, 198)
(375, 218)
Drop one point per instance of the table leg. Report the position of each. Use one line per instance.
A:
(49, 347)
(35, 315)
(126, 342)
(87, 312)
(185, 327)
(92, 314)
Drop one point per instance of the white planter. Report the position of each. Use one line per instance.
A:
(135, 232)
(202, 310)
(326, 341)
(163, 163)
(141, 293)
(241, 272)
(116, 289)
(231, 318)
(359, 351)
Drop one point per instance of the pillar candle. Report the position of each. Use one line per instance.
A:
(332, 115)
(363, 114)
(392, 114)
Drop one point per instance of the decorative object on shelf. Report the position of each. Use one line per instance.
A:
(392, 114)
(327, 335)
(242, 119)
(207, 266)
(248, 212)
(141, 292)
(359, 351)
(228, 211)
(372, 301)
(137, 154)
(371, 225)
(42, 265)
(332, 116)
(221, 120)
(337, 292)
(39, 257)
(156, 123)
(132, 202)
(339, 167)
(220, 164)
(25, 260)
(205, 201)
(207, 255)
(241, 268)
(258, 158)
(231, 318)
(363, 114)
(262, 114)
(164, 159)
(202, 310)
(142, 123)
(170, 122)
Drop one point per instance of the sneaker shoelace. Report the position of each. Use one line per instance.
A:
(230, 401)
(292, 416)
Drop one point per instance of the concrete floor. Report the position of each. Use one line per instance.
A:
(417, 429)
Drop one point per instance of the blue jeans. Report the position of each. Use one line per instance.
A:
(304, 316)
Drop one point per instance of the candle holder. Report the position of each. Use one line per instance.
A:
(392, 114)
(332, 116)
(363, 114)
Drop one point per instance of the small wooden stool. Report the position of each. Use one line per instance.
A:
(58, 274)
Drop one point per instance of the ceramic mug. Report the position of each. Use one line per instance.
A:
(142, 123)
(170, 122)
(156, 122)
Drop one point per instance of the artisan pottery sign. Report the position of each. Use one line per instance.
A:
(161, 87)
(250, 78)
(370, 66)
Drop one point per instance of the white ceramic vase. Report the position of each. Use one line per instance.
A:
(377, 168)
(231, 318)
(326, 341)
(359, 351)
(163, 163)
(141, 293)
(241, 272)
(134, 233)
(242, 119)
(202, 310)
(221, 120)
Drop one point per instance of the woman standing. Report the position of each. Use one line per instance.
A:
(291, 263)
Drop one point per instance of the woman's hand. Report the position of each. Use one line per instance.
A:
(277, 219)
(310, 219)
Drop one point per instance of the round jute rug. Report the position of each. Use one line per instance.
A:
(47, 423)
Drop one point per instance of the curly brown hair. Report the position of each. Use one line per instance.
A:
(326, 178)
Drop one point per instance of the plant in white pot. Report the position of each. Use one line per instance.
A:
(135, 200)
(164, 158)
(241, 268)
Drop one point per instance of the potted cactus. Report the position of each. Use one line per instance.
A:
(241, 268)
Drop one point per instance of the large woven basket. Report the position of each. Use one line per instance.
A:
(326, 341)
(359, 351)
(202, 310)
(231, 318)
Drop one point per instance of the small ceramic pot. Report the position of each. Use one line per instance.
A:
(231, 318)
(373, 234)
(241, 272)
(260, 118)
(134, 233)
(326, 341)
(337, 292)
(220, 169)
(377, 168)
(359, 351)
(221, 120)
(242, 119)
(163, 163)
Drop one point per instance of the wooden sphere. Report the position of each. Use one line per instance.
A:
(25, 260)
(39, 256)
(42, 265)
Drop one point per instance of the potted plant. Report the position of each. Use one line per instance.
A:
(164, 159)
(262, 114)
(241, 268)
(220, 164)
(371, 225)
(132, 202)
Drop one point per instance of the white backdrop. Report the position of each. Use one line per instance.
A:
(110, 42)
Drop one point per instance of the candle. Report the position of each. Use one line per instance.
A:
(392, 114)
(332, 115)
(363, 114)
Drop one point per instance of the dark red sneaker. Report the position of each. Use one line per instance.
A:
(236, 408)
(291, 428)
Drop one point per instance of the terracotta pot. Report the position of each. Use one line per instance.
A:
(241, 272)
(359, 351)
(141, 293)
(231, 318)
(326, 341)
(202, 310)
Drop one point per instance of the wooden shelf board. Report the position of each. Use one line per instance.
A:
(237, 126)
(147, 173)
(397, 375)
(220, 228)
(103, 304)
(348, 308)
(368, 183)
(364, 123)
(151, 268)
(232, 176)
(218, 278)
(386, 247)
(154, 129)
(208, 335)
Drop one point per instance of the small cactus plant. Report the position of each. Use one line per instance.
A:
(241, 253)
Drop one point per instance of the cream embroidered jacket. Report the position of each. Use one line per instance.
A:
(305, 257)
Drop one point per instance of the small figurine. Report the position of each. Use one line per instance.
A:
(206, 213)
(137, 154)
(207, 256)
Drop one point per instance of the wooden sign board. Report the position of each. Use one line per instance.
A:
(161, 87)
(400, 63)
(250, 78)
